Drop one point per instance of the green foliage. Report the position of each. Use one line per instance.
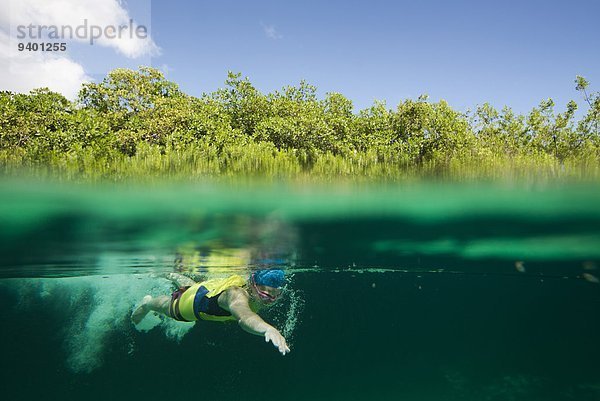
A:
(245, 105)
(430, 130)
(40, 120)
(127, 90)
(589, 126)
(136, 123)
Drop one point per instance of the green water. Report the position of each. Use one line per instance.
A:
(417, 291)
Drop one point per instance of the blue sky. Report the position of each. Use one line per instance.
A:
(513, 53)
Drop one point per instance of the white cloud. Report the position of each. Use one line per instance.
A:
(24, 71)
(74, 13)
(33, 70)
(271, 32)
(166, 69)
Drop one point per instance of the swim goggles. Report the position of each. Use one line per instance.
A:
(265, 296)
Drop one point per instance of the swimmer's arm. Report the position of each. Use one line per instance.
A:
(235, 300)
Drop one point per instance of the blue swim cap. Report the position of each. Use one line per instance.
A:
(272, 278)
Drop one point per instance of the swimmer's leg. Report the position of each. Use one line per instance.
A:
(159, 304)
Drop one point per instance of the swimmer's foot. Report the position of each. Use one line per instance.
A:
(140, 313)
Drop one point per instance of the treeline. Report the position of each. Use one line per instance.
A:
(137, 123)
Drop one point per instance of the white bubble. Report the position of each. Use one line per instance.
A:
(98, 309)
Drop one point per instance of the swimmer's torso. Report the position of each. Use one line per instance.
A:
(200, 301)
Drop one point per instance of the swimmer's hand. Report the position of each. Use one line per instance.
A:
(273, 335)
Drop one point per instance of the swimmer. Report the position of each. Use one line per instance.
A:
(229, 299)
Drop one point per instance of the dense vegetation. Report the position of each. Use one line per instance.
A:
(137, 124)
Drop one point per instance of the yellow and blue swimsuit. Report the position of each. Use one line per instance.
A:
(200, 301)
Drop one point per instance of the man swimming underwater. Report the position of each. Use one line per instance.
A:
(222, 300)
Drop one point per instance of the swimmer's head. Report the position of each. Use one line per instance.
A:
(267, 284)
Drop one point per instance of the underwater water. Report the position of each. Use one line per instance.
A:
(417, 291)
